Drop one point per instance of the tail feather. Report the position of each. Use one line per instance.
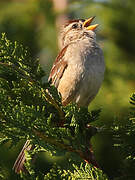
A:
(19, 163)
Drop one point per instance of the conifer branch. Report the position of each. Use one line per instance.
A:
(32, 109)
(51, 100)
(86, 155)
(14, 67)
(45, 93)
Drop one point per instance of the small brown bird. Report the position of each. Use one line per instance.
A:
(78, 70)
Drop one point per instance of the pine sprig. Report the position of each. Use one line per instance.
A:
(84, 171)
(30, 109)
(123, 132)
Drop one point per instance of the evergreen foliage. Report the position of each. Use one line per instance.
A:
(31, 109)
(123, 136)
(83, 172)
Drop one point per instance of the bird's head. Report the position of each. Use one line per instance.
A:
(75, 29)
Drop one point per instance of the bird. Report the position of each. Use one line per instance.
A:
(78, 70)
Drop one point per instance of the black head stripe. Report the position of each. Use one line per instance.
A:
(72, 21)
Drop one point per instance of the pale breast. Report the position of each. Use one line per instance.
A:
(84, 74)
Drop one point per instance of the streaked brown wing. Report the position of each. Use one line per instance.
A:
(58, 68)
(19, 163)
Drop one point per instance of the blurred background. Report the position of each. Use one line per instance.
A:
(35, 24)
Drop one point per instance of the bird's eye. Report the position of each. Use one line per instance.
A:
(75, 26)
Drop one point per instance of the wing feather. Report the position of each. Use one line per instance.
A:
(58, 68)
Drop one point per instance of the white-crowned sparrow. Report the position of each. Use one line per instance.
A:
(78, 70)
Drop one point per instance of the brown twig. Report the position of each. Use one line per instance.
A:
(52, 101)
(87, 155)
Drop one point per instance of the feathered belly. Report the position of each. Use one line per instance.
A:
(80, 85)
(89, 86)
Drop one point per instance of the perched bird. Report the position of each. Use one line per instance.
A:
(78, 70)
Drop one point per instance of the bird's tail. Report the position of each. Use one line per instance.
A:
(19, 163)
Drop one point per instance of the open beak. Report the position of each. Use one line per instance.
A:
(87, 23)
